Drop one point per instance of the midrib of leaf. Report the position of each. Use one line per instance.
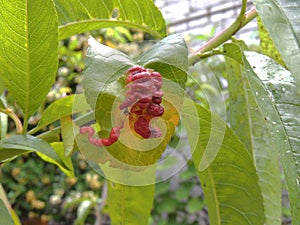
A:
(28, 70)
(215, 195)
(123, 204)
(248, 112)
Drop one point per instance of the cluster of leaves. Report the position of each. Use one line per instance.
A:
(263, 105)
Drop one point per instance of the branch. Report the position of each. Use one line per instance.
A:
(242, 20)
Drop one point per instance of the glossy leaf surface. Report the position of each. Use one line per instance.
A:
(281, 19)
(250, 109)
(282, 95)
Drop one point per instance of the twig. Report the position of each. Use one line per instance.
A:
(102, 204)
(243, 19)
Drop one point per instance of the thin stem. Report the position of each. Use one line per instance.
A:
(243, 19)
(15, 118)
(25, 125)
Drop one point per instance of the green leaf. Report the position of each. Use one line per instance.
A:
(195, 205)
(162, 188)
(78, 16)
(167, 206)
(104, 70)
(282, 95)
(230, 183)
(83, 211)
(21, 144)
(59, 148)
(12, 213)
(267, 45)
(28, 51)
(68, 133)
(169, 57)
(3, 125)
(184, 190)
(4, 215)
(249, 110)
(104, 89)
(129, 205)
(54, 134)
(281, 19)
(2, 87)
(61, 108)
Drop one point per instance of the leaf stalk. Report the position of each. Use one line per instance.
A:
(15, 118)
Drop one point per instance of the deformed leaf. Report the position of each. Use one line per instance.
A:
(230, 183)
(169, 57)
(28, 51)
(131, 152)
(78, 16)
(105, 89)
(104, 79)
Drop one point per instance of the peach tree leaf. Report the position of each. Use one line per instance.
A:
(28, 51)
(60, 108)
(17, 145)
(249, 109)
(129, 204)
(78, 16)
(281, 94)
(281, 19)
(104, 89)
(4, 214)
(230, 183)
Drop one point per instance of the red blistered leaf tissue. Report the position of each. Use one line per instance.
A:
(143, 97)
